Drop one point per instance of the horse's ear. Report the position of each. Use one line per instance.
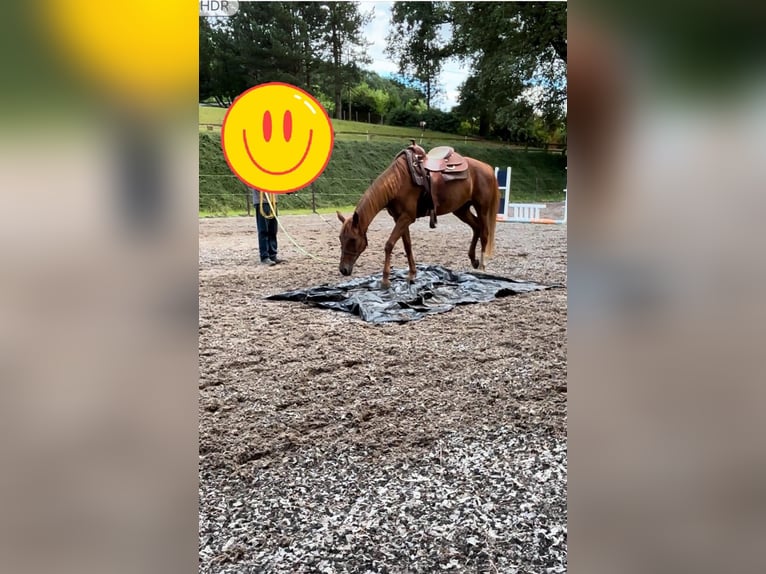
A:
(356, 219)
(340, 216)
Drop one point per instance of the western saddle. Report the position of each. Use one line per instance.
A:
(433, 170)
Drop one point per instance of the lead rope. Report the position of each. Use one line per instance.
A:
(274, 216)
(273, 213)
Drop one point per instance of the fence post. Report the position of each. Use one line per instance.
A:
(313, 199)
(247, 200)
(368, 135)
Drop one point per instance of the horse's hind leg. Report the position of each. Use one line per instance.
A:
(465, 214)
(484, 237)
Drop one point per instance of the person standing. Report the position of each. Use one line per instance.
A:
(266, 222)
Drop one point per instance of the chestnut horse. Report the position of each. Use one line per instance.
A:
(395, 191)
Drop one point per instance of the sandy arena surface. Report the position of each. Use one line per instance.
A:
(331, 445)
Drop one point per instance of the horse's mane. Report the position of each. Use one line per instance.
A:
(381, 191)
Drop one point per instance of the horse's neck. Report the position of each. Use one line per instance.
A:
(368, 207)
(378, 195)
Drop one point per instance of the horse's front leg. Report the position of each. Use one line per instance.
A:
(402, 224)
(408, 250)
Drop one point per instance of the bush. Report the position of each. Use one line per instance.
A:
(436, 120)
(327, 102)
(466, 129)
(439, 121)
(402, 117)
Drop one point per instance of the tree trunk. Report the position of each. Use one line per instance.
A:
(336, 60)
(338, 105)
(483, 124)
(307, 63)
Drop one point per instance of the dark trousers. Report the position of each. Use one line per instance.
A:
(267, 232)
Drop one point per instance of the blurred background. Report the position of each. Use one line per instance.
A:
(98, 171)
(666, 180)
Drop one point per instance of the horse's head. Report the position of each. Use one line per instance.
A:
(352, 242)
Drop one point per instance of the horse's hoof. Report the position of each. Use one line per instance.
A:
(475, 264)
(385, 284)
(410, 279)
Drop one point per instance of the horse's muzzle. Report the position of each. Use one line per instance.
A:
(345, 270)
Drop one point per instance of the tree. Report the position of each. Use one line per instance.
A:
(206, 58)
(393, 94)
(518, 52)
(308, 19)
(264, 42)
(369, 102)
(518, 123)
(344, 44)
(415, 41)
(220, 69)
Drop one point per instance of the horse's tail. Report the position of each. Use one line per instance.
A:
(491, 217)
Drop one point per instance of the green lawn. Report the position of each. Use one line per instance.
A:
(537, 176)
(345, 209)
(211, 115)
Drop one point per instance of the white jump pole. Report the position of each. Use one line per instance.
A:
(553, 221)
(529, 212)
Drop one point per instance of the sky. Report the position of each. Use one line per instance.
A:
(453, 73)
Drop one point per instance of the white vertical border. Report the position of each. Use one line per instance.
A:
(507, 190)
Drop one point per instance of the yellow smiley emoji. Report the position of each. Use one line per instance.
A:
(277, 138)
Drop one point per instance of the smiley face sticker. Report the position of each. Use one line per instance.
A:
(277, 138)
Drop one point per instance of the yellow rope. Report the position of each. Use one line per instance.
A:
(260, 206)
(274, 216)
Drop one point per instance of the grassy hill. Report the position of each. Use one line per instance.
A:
(211, 118)
(536, 176)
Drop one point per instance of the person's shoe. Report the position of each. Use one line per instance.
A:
(268, 262)
(276, 260)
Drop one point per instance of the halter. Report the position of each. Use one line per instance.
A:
(354, 253)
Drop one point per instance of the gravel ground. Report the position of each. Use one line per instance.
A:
(331, 445)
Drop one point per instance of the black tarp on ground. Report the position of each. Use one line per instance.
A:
(436, 290)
